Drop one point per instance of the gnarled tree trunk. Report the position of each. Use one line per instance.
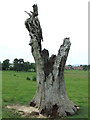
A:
(50, 97)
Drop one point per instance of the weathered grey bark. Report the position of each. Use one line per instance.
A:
(50, 97)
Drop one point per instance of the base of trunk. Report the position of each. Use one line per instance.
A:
(62, 108)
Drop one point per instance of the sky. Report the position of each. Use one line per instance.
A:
(58, 18)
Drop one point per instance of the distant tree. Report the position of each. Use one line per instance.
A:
(89, 67)
(21, 64)
(26, 66)
(32, 66)
(18, 64)
(11, 67)
(5, 64)
(70, 65)
(0, 65)
(85, 67)
(21, 61)
(15, 62)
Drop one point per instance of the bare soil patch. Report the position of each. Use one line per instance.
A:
(26, 111)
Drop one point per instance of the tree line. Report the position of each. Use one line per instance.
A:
(17, 65)
(20, 65)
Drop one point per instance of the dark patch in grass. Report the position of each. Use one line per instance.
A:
(34, 78)
(28, 78)
(14, 75)
(5, 100)
(11, 99)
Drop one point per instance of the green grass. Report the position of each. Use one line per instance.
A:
(77, 90)
(17, 89)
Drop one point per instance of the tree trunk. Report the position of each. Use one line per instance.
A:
(50, 97)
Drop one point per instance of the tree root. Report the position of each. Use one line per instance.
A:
(57, 110)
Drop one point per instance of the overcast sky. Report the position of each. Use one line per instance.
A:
(58, 19)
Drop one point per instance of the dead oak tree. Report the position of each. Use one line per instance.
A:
(50, 97)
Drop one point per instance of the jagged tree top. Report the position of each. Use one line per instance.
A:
(33, 25)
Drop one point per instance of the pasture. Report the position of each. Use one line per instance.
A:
(17, 89)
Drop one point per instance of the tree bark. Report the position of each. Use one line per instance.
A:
(51, 97)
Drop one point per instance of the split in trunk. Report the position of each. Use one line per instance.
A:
(50, 97)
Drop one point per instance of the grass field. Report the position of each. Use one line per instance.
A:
(17, 89)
